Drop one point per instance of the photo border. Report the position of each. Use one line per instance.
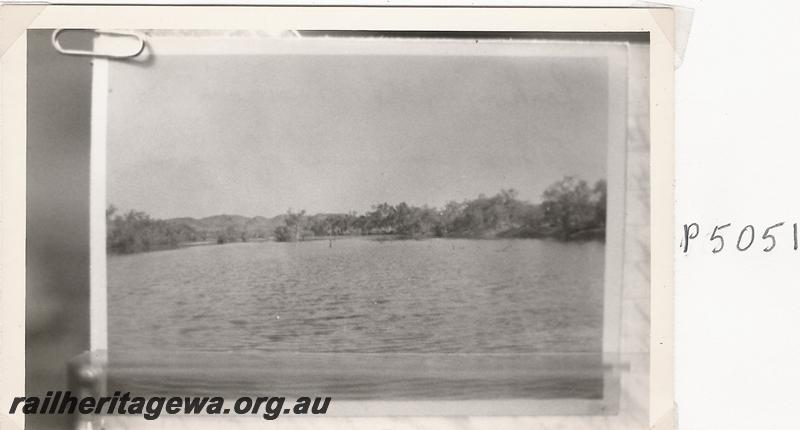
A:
(199, 44)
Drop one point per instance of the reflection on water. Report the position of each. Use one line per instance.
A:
(360, 295)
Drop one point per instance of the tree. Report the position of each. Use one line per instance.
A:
(230, 234)
(568, 206)
(283, 234)
(448, 217)
(293, 229)
(599, 197)
(136, 231)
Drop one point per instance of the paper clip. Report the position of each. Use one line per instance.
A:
(133, 53)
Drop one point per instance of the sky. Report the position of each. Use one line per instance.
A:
(260, 134)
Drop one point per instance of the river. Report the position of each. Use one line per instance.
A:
(443, 297)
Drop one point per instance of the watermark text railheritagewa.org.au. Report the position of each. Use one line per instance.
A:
(270, 408)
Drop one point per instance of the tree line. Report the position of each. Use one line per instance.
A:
(136, 231)
(570, 209)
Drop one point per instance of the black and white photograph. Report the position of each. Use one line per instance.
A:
(392, 217)
(438, 223)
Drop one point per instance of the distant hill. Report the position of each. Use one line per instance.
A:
(229, 228)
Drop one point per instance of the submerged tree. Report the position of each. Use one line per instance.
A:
(599, 200)
(292, 231)
(571, 206)
(135, 231)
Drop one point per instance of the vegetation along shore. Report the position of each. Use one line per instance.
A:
(570, 209)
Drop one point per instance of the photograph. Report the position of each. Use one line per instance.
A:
(409, 217)
(410, 223)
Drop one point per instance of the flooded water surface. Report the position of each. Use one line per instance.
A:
(361, 319)
(360, 295)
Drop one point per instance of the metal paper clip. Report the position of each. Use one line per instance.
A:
(132, 53)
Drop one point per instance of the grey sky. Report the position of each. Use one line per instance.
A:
(256, 135)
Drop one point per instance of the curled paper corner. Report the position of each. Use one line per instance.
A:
(14, 20)
(683, 14)
(668, 421)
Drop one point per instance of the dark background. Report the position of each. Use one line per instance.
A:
(57, 274)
